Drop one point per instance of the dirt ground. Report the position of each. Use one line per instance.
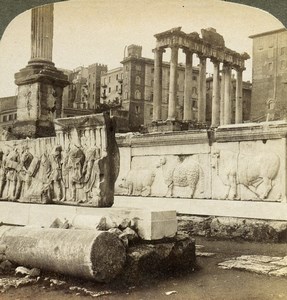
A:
(208, 282)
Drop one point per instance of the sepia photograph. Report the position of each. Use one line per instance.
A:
(143, 150)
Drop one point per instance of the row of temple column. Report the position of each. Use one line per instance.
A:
(221, 93)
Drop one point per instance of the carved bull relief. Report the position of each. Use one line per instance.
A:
(250, 171)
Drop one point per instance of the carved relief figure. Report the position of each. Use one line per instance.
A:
(2, 173)
(138, 182)
(56, 174)
(91, 172)
(23, 180)
(12, 166)
(183, 173)
(75, 167)
(235, 168)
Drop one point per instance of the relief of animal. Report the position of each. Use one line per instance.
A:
(182, 173)
(249, 170)
(138, 182)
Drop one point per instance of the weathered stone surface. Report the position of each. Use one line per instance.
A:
(194, 225)
(149, 261)
(253, 230)
(234, 228)
(89, 254)
(260, 264)
(131, 235)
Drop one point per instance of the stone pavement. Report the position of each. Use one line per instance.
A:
(260, 264)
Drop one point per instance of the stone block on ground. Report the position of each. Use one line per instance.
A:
(154, 260)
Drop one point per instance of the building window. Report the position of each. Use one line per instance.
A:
(117, 88)
(270, 66)
(137, 109)
(109, 79)
(152, 70)
(194, 104)
(138, 80)
(15, 116)
(151, 112)
(117, 76)
(270, 53)
(137, 94)
(109, 89)
(4, 118)
(10, 117)
(138, 67)
(127, 68)
(151, 97)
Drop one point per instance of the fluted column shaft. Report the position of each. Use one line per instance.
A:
(238, 97)
(227, 96)
(187, 106)
(42, 32)
(215, 117)
(202, 90)
(157, 86)
(173, 83)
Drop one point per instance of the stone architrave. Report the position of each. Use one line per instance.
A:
(173, 83)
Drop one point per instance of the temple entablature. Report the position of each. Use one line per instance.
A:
(210, 45)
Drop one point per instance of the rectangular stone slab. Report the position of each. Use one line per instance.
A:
(151, 224)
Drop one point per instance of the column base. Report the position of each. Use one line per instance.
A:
(173, 125)
(33, 129)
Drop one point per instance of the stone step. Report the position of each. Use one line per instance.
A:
(150, 224)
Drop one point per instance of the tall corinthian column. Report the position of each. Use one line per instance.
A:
(187, 106)
(42, 33)
(227, 95)
(157, 85)
(238, 97)
(222, 88)
(173, 83)
(215, 118)
(202, 90)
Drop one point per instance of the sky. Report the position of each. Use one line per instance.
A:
(90, 31)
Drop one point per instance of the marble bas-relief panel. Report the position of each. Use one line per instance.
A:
(247, 171)
(167, 176)
(78, 166)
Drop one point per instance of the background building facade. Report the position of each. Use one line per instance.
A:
(269, 75)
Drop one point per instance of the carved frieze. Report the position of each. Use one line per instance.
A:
(79, 166)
